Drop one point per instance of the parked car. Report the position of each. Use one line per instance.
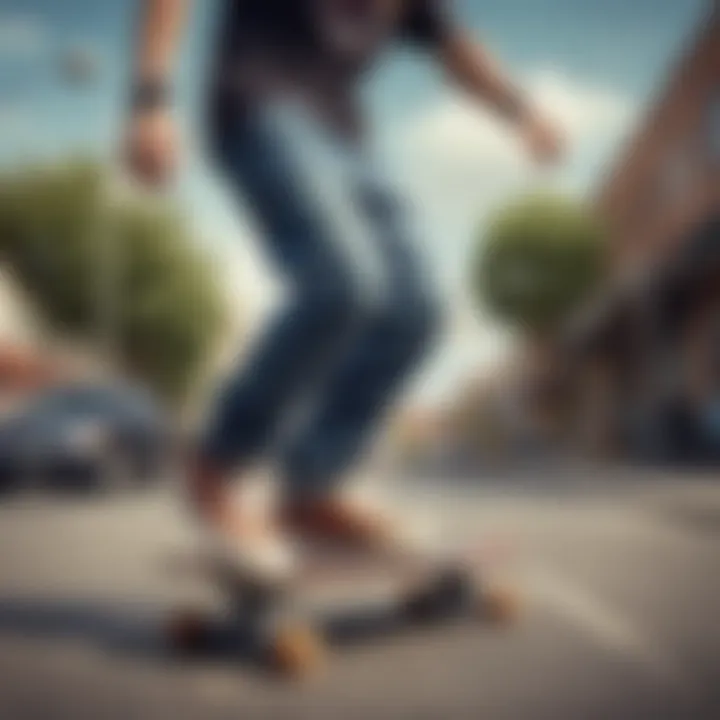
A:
(89, 435)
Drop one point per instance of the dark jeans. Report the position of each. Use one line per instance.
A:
(358, 314)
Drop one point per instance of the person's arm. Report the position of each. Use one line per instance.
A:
(430, 24)
(158, 40)
(471, 66)
(152, 142)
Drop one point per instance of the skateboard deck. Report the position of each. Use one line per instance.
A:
(335, 598)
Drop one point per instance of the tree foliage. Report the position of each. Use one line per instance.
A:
(169, 310)
(541, 257)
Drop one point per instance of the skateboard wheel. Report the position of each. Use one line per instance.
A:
(499, 605)
(187, 630)
(297, 651)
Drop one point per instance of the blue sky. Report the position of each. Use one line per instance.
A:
(613, 43)
(594, 64)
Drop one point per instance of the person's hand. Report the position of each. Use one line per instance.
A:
(543, 139)
(152, 151)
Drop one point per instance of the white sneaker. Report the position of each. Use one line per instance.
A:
(264, 558)
(252, 545)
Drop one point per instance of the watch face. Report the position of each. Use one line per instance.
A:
(355, 28)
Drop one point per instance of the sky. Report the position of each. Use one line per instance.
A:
(593, 65)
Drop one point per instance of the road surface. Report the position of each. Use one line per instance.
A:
(621, 580)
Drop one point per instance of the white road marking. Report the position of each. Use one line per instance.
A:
(604, 625)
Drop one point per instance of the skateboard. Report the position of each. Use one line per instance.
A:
(336, 598)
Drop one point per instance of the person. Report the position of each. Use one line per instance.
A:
(286, 129)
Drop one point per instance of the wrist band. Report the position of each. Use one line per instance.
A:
(150, 94)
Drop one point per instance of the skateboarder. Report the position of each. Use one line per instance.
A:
(287, 133)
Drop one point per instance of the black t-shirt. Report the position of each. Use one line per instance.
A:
(287, 28)
(263, 40)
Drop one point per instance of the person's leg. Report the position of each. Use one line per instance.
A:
(295, 187)
(375, 364)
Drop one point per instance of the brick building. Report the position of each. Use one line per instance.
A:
(648, 352)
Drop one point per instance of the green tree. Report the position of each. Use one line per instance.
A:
(541, 257)
(169, 310)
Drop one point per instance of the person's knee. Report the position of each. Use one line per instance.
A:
(335, 303)
(413, 319)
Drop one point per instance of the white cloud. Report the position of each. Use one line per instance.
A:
(21, 36)
(461, 154)
(584, 110)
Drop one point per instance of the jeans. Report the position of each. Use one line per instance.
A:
(358, 315)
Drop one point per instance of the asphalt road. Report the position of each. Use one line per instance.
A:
(621, 583)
